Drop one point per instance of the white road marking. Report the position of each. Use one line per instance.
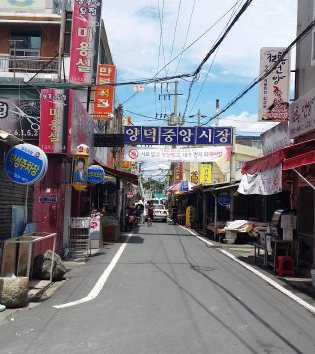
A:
(101, 281)
(270, 281)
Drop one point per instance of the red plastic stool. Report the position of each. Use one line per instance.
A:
(285, 265)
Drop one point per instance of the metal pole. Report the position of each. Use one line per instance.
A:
(52, 259)
(61, 38)
(204, 213)
(215, 215)
(175, 99)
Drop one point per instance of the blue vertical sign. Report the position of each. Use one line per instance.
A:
(186, 135)
(150, 135)
(132, 134)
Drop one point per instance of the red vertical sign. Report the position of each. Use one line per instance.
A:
(52, 103)
(85, 40)
(104, 94)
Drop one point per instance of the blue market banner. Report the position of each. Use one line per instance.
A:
(96, 174)
(139, 135)
(26, 164)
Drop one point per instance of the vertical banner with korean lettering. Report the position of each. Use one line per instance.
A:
(51, 137)
(80, 126)
(104, 93)
(85, 40)
(194, 172)
(178, 172)
(205, 173)
(274, 89)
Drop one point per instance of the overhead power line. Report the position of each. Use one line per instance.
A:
(266, 73)
(214, 48)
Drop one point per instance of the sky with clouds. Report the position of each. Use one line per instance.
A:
(144, 35)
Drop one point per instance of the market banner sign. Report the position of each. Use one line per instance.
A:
(85, 41)
(140, 135)
(80, 126)
(264, 183)
(274, 89)
(275, 138)
(52, 138)
(302, 115)
(104, 92)
(96, 174)
(205, 173)
(26, 164)
(20, 118)
(184, 154)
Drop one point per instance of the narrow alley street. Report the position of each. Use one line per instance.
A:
(168, 293)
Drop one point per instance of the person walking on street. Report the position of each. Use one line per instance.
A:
(174, 213)
(150, 213)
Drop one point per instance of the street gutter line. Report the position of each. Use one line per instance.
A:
(271, 282)
(101, 281)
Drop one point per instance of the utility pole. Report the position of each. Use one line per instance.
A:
(217, 108)
(176, 119)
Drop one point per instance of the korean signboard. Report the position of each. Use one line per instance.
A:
(205, 173)
(80, 125)
(85, 40)
(104, 94)
(96, 174)
(302, 115)
(20, 118)
(194, 172)
(179, 153)
(140, 135)
(274, 89)
(52, 138)
(26, 164)
(275, 138)
(22, 6)
(178, 172)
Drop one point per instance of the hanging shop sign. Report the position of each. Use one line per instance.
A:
(20, 118)
(194, 172)
(104, 92)
(265, 183)
(224, 198)
(205, 173)
(80, 173)
(26, 164)
(275, 138)
(96, 174)
(184, 154)
(178, 172)
(274, 89)
(85, 31)
(139, 135)
(302, 115)
(80, 126)
(53, 130)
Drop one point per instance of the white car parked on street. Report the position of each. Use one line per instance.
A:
(159, 213)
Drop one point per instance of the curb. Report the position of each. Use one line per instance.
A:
(267, 279)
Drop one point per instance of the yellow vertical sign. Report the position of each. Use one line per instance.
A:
(205, 173)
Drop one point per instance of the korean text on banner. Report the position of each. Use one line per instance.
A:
(274, 89)
(52, 138)
(80, 126)
(264, 183)
(184, 154)
(205, 173)
(85, 41)
(178, 172)
(104, 94)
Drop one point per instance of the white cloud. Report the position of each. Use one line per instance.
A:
(133, 30)
(246, 122)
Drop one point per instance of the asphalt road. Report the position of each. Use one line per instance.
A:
(168, 293)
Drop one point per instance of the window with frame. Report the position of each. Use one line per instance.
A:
(25, 43)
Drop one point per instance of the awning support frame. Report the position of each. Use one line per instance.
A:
(303, 178)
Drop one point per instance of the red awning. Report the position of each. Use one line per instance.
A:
(292, 156)
(263, 163)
